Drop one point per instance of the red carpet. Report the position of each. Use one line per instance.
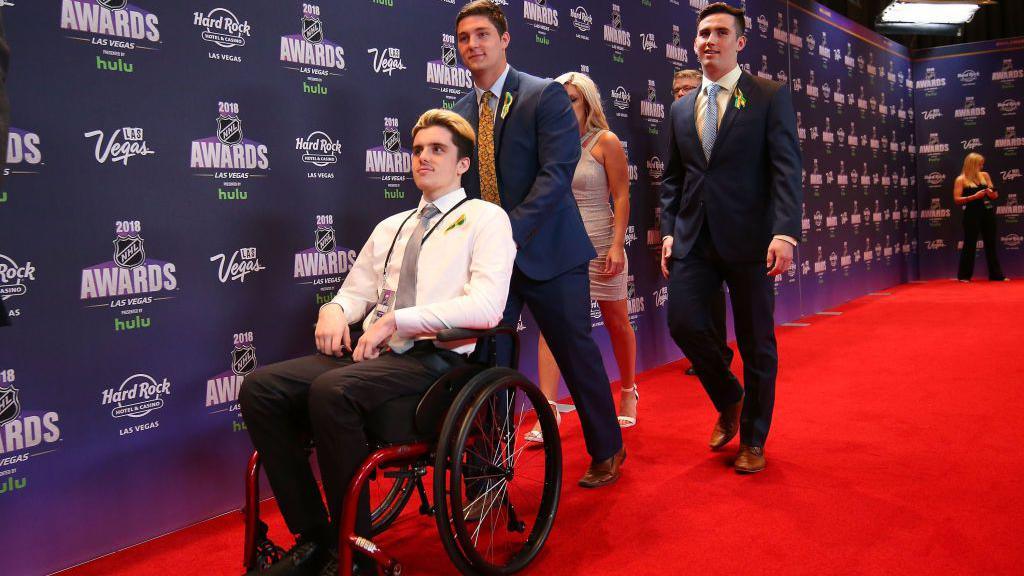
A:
(894, 450)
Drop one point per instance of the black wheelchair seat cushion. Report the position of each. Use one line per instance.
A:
(418, 418)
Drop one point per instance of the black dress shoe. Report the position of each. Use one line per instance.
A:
(305, 558)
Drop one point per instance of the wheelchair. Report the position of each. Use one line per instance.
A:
(494, 498)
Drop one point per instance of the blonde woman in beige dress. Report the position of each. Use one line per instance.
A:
(602, 174)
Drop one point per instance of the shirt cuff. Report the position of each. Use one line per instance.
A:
(785, 238)
(404, 319)
(339, 305)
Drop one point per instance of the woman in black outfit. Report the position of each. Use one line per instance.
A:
(973, 190)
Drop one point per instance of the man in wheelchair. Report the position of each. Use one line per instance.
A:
(446, 264)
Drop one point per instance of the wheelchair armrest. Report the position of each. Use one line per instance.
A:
(452, 334)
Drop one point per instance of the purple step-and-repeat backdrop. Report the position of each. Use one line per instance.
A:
(188, 181)
(968, 99)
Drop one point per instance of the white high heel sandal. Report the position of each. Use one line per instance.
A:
(536, 435)
(630, 421)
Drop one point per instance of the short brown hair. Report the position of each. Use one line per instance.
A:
(723, 8)
(690, 73)
(484, 8)
(462, 133)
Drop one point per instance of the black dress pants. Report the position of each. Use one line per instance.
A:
(326, 398)
(978, 218)
(693, 282)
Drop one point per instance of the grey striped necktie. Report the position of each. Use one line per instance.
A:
(709, 130)
(406, 295)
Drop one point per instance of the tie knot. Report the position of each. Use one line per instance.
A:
(713, 90)
(428, 212)
(485, 98)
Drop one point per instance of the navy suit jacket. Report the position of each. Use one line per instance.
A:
(749, 189)
(537, 147)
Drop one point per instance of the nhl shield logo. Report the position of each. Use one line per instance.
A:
(312, 30)
(392, 140)
(676, 41)
(325, 240)
(652, 94)
(616, 20)
(448, 55)
(229, 130)
(243, 360)
(113, 4)
(129, 251)
(10, 407)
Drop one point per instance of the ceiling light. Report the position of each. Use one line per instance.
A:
(928, 13)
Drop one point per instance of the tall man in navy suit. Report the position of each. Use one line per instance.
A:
(527, 150)
(730, 211)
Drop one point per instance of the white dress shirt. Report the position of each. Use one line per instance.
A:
(462, 278)
(495, 90)
(728, 88)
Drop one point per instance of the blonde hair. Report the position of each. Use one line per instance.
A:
(972, 168)
(462, 133)
(591, 95)
(692, 74)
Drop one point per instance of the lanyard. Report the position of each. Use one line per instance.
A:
(394, 240)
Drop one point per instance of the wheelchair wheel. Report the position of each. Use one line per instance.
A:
(389, 493)
(497, 503)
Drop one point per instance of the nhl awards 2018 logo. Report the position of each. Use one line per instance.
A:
(315, 55)
(114, 27)
(130, 280)
(615, 35)
(446, 76)
(325, 263)
(222, 389)
(390, 162)
(1007, 74)
(222, 28)
(24, 434)
(24, 156)
(1010, 140)
(228, 153)
(930, 83)
(320, 150)
(674, 50)
(542, 17)
(651, 109)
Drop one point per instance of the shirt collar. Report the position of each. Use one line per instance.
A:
(727, 82)
(496, 88)
(446, 202)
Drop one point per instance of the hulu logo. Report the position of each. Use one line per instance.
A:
(388, 3)
(324, 298)
(136, 323)
(448, 105)
(238, 426)
(3, 197)
(236, 194)
(394, 193)
(13, 484)
(314, 88)
(114, 65)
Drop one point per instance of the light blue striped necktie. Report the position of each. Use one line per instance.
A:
(710, 129)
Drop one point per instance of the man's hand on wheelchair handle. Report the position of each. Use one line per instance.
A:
(332, 334)
(375, 339)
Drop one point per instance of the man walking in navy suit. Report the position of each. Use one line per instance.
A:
(730, 211)
(527, 149)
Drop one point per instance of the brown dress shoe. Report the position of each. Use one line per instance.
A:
(604, 472)
(727, 426)
(750, 459)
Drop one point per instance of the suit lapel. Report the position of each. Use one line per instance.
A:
(730, 113)
(690, 122)
(509, 92)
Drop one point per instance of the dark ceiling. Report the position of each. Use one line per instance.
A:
(1002, 20)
